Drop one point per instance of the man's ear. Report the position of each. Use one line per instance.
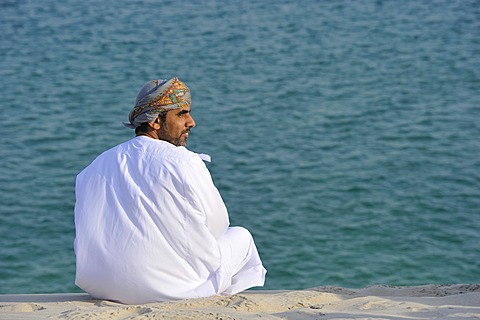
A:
(155, 124)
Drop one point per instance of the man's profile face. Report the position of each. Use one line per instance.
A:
(176, 126)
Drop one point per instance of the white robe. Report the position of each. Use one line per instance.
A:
(152, 226)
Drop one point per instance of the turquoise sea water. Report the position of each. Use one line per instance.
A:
(344, 134)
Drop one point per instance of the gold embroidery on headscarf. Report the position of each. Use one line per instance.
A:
(174, 94)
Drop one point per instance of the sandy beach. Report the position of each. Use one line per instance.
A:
(459, 301)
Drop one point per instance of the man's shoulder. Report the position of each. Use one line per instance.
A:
(159, 149)
(146, 152)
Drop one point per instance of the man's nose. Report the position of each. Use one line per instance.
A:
(191, 122)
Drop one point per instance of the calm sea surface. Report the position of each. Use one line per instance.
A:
(344, 134)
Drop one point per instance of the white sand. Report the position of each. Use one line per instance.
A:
(377, 302)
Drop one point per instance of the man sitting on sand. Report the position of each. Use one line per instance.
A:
(150, 224)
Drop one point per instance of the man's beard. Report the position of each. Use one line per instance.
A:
(163, 134)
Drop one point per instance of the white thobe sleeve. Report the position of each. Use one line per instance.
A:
(206, 197)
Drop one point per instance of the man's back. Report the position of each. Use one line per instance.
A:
(147, 219)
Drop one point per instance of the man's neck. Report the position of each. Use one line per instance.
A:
(152, 134)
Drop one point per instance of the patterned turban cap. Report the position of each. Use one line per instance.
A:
(155, 97)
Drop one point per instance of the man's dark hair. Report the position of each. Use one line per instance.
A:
(144, 127)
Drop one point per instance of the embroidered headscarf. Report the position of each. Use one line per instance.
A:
(155, 97)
